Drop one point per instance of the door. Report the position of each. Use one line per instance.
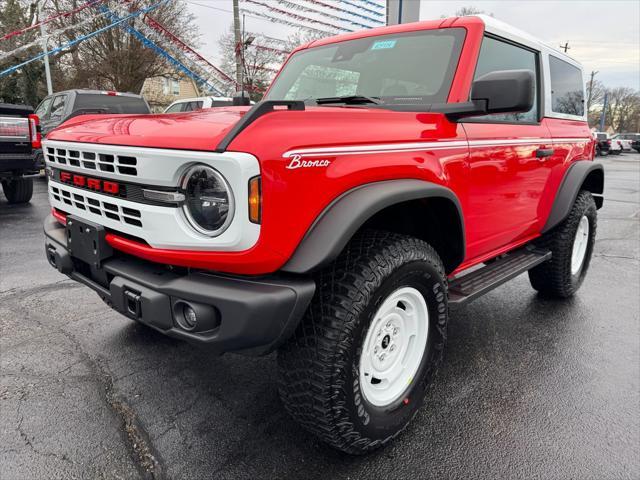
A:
(508, 162)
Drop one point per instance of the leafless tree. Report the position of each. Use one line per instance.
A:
(623, 109)
(113, 59)
(25, 86)
(262, 58)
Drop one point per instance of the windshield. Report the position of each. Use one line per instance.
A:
(414, 67)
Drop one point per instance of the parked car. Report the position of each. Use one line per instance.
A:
(626, 143)
(197, 103)
(19, 136)
(60, 107)
(616, 147)
(631, 140)
(340, 219)
(603, 143)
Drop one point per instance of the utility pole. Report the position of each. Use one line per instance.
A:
(238, 43)
(45, 49)
(565, 47)
(590, 94)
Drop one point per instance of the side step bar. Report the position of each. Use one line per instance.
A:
(472, 285)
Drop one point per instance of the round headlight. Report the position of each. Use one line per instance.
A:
(208, 201)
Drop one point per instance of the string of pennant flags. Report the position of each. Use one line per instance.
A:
(54, 33)
(153, 35)
(72, 43)
(50, 19)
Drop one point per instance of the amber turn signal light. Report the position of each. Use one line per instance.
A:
(255, 200)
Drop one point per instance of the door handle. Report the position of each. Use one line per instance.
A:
(544, 152)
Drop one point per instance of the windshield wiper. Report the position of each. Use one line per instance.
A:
(349, 100)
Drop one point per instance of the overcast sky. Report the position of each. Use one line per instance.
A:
(603, 35)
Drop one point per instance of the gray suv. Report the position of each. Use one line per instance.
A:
(61, 106)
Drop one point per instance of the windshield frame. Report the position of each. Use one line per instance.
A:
(457, 51)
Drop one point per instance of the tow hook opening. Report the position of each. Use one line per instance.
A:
(132, 303)
(51, 255)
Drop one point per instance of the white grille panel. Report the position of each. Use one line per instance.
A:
(94, 161)
(78, 199)
(162, 226)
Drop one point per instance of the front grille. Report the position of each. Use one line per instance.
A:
(92, 161)
(110, 210)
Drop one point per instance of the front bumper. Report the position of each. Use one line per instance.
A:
(251, 315)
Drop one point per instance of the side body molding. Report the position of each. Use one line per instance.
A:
(337, 224)
(582, 174)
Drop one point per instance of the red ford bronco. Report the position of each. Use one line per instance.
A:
(388, 176)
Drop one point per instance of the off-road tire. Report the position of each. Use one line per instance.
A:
(553, 278)
(318, 366)
(18, 190)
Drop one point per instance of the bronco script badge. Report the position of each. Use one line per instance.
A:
(297, 162)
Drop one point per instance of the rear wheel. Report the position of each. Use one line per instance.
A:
(571, 244)
(18, 190)
(356, 370)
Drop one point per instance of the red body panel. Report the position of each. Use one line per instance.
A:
(506, 193)
(198, 130)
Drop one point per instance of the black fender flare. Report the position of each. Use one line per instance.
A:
(575, 177)
(342, 218)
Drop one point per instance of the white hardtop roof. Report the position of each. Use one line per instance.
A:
(502, 29)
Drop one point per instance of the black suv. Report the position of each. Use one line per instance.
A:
(603, 143)
(61, 106)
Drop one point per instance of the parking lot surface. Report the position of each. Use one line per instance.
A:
(530, 388)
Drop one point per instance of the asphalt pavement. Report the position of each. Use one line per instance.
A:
(530, 388)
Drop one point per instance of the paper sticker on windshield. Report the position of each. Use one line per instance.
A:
(382, 44)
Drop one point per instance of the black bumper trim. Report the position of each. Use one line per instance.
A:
(18, 162)
(244, 314)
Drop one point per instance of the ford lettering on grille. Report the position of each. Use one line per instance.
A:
(95, 184)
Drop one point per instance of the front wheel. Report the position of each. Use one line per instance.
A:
(571, 244)
(18, 190)
(356, 370)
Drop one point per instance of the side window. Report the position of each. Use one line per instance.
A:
(498, 55)
(43, 109)
(176, 107)
(57, 107)
(191, 106)
(567, 89)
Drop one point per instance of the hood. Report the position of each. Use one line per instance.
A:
(199, 130)
(268, 137)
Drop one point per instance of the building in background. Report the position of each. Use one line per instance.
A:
(402, 11)
(164, 90)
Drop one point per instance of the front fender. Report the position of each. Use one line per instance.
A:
(338, 223)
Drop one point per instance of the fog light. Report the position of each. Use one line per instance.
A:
(190, 317)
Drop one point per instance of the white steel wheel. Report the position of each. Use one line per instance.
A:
(394, 346)
(580, 243)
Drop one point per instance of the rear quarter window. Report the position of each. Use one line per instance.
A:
(567, 89)
(110, 103)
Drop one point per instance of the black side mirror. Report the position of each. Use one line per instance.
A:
(505, 91)
(502, 91)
